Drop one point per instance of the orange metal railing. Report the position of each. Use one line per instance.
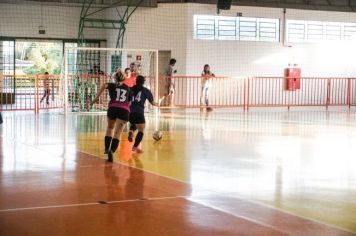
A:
(260, 92)
(39, 92)
(24, 92)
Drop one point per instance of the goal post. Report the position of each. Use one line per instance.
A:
(86, 69)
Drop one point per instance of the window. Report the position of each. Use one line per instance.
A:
(227, 28)
(7, 57)
(205, 27)
(236, 28)
(248, 29)
(7, 66)
(315, 31)
(268, 29)
(349, 31)
(333, 30)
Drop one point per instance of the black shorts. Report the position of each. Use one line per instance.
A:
(118, 113)
(137, 118)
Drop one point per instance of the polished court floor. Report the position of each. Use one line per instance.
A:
(218, 173)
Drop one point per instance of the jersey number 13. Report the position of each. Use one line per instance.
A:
(121, 95)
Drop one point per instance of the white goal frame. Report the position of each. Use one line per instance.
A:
(64, 74)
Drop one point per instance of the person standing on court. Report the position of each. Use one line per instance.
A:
(169, 83)
(118, 112)
(206, 83)
(46, 87)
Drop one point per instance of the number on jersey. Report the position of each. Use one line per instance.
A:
(138, 97)
(121, 95)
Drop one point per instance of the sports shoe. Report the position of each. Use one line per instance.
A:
(137, 149)
(110, 156)
(130, 137)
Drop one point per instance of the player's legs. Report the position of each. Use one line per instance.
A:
(109, 133)
(169, 89)
(139, 120)
(119, 126)
(171, 97)
(48, 93)
(132, 128)
(117, 118)
(44, 95)
(206, 98)
(139, 137)
(202, 96)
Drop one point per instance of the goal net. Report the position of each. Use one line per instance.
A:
(85, 70)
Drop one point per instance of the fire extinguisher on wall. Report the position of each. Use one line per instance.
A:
(293, 76)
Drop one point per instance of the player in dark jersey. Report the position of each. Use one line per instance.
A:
(118, 112)
(137, 115)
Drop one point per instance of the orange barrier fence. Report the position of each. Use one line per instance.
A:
(197, 91)
(26, 92)
(271, 92)
(41, 92)
(249, 92)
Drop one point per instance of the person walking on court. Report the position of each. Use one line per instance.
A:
(169, 83)
(137, 115)
(118, 112)
(206, 83)
(46, 87)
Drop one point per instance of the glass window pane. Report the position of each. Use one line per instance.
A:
(236, 28)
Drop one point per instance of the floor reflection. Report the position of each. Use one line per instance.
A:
(302, 162)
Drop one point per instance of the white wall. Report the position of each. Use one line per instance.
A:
(163, 28)
(170, 27)
(240, 58)
(23, 20)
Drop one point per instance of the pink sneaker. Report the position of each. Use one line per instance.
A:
(137, 149)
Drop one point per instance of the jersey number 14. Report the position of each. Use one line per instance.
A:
(138, 97)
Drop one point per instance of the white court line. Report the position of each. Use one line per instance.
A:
(239, 198)
(237, 215)
(90, 203)
(295, 215)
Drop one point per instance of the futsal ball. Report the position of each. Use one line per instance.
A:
(157, 135)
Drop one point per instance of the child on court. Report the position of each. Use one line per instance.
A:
(137, 115)
(118, 111)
